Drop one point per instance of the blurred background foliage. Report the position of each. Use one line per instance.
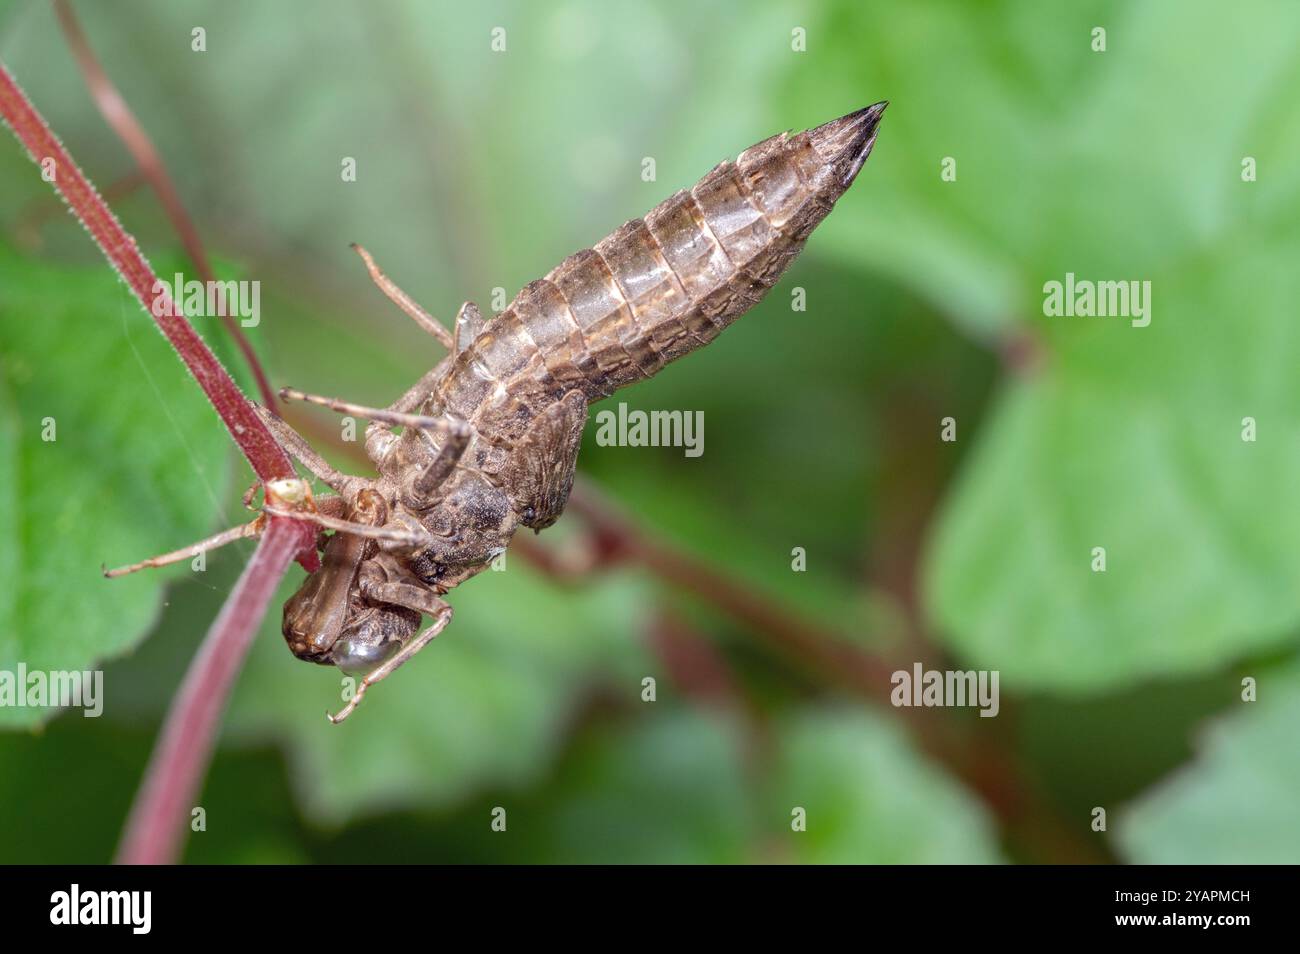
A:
(478, 170)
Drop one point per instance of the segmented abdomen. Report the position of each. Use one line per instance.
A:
(658, 287)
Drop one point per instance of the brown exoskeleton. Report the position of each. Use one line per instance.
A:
(490, 436)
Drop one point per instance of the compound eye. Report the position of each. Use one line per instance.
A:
(357, 656)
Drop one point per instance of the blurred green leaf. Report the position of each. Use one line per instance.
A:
(672, 785)
(868, 798)
(138, 456)
(667, 789)
(1236, 804)
(66, 789)
(1120, 437)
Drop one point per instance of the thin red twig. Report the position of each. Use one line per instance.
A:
(42, 208)
(179, 761)
(119, 116)
(815, 649)
(265, 455)
(178, 764)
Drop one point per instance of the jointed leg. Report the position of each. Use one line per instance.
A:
(397, 593)
(242, 532)
(419, 598)
(404, 301)
(297, 445)
(424, 485)
(452, 437)
(329, 505)
(332, 505)
(382, 415)
(392, 534)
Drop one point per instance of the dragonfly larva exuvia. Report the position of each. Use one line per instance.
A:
(490, 436)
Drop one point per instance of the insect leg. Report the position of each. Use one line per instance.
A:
(404, 301)
(402, 594)
(241, 532)
(424, 484)
(420, 598)
(398, 535)
(454, 432)
(384, 416)
(332, 505)
(297, 445)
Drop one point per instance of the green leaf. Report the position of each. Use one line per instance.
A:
(1236, 804)
(868, 798)
(670, 785)
(1199, 537)
(1122, 437)
(670, 788)
(107, 447)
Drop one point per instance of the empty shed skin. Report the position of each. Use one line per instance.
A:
(491, 435)
(659, 287)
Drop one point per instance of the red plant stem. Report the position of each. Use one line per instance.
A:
(119, 116)
(41, 209)
(179, 761)
(154, 830)
(265, 455)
